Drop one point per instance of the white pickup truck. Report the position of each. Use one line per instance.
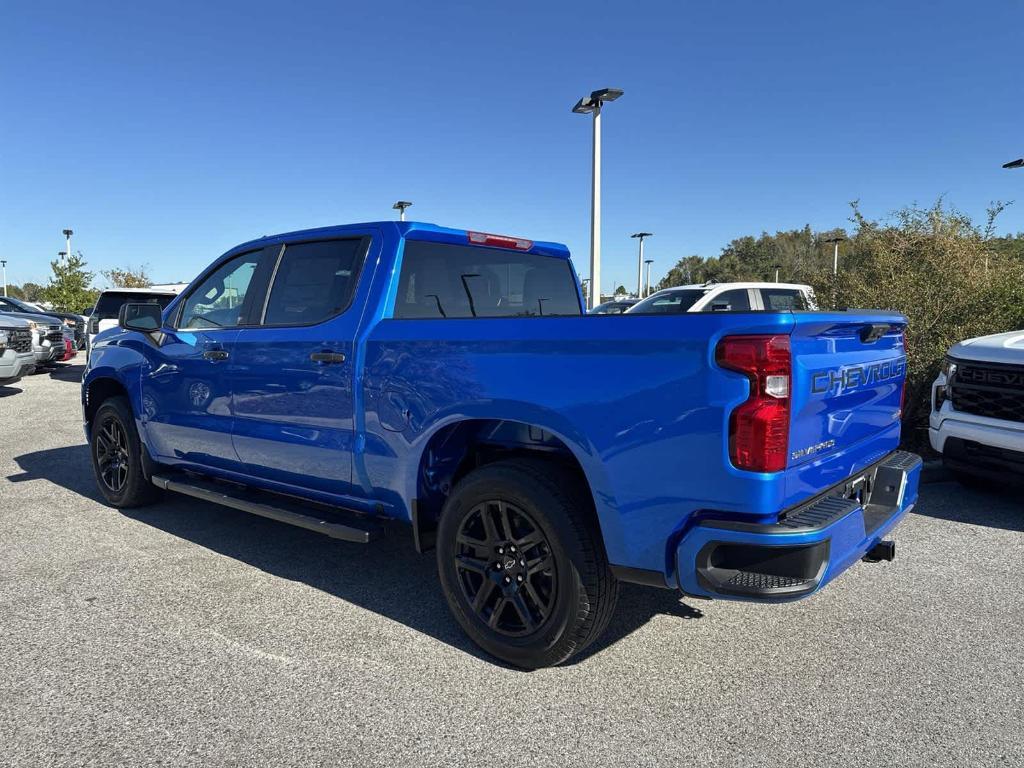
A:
(977, 415)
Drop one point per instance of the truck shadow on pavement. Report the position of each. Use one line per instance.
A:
(387, 577)
(982, 504)
(7, 391)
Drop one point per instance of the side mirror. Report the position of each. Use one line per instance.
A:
(140, 317)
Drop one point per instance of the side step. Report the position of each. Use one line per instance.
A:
(355, 528)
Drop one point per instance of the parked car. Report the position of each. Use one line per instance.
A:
(977, 415)
(47, 336)
(75, 322)
(109, 302)
(615, 307)
(16, 356)
(342, 378)
(728, 297)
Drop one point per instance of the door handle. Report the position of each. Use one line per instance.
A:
(327, 357)
(215, 354)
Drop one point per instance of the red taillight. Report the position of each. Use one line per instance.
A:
(500, 241)
(759, 428)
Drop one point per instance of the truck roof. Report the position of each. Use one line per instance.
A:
(414, 230)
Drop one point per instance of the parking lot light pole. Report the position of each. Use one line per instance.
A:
(835, 253)
(67, 235)
(4, 263)
(591, 105)
(647, 283)
(777, 267)
(640, 262)
(400, 206)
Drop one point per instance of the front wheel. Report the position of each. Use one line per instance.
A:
(117, 456)
(522, 564)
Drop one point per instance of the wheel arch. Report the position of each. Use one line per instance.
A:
(457, 446)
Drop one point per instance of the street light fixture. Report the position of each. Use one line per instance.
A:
(3, 262)
(67, 236)
(1018, 163)
(640, 262)
(400, 206)
(591, 105)
(647, 290)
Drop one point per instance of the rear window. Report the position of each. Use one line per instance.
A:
(783, 299)
(110, 302)
(456, 281)
(668, 303)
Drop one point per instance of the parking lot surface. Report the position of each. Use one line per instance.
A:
(189, 634)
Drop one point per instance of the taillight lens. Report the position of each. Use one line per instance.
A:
(759, 428)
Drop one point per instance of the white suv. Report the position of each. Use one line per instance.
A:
(727, 297)
(977, 415)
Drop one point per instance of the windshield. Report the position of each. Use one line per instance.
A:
(15, 305)
(110, 302)
(668, 302)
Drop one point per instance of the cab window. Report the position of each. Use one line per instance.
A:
(314, 281)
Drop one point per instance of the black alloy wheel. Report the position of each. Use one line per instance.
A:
(506, 569)
(112, 454)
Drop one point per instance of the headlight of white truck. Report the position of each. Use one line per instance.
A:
(3, 342)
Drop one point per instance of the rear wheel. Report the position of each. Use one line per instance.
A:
(117, 456)
(522, 564)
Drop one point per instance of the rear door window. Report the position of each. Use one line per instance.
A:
(736, 300)
(314, 281)
(443, 280)
(783, 299)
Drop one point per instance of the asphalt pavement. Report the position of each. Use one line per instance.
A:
(190, 634)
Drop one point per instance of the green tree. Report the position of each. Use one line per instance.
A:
(31, 291)
(15, 292)
(128, 277)
(68, 289)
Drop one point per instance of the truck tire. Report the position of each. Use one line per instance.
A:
(117, 457)
(522, 563)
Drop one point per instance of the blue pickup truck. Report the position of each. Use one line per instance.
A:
(352, 379)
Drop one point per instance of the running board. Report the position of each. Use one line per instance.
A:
(355, 528)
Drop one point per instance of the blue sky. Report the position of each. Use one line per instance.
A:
(166, 133)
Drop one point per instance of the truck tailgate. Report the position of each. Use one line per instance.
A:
(847, 383)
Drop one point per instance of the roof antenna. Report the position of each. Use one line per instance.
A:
(400, 206)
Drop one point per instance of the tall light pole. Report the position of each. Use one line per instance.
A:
(4, 263)
(835, 268)
(835, 253)
(647, 289)
(640, 262)
(592, 105)
(777, 268)
(67, 235)
(400, 206)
